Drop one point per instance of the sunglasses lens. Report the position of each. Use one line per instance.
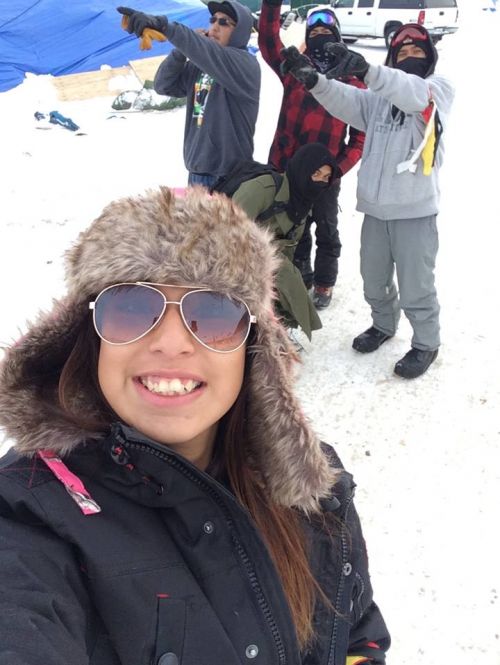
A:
(124, 312)
(216, 320)
(410, 34)
(221, 21)
(323, 17)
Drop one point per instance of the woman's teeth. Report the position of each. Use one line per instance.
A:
(169, 387)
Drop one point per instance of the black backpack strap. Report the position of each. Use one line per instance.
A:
(276, 206)
(274, 209)
(277, 179)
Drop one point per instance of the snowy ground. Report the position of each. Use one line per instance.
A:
(425, 453)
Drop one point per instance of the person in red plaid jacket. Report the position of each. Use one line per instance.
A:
(303, 120)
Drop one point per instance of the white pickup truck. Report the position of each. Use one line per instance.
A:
(380, 18)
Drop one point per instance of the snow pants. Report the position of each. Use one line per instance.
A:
(326, 263)
(409, 248)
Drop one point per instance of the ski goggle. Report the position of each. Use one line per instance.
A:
(321, 17)
(124, 313)
(412, 33)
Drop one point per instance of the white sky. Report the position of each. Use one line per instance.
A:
(425, 453)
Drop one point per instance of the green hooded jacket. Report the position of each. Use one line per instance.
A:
(294, 304)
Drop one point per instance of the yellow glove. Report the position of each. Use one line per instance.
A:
(147, 36)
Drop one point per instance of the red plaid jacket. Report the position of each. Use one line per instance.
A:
(302, 119)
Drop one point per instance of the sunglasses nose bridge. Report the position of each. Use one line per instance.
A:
(172, 326)
(167, 309)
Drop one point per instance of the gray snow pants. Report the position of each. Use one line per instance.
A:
(409, 246)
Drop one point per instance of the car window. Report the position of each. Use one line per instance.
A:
(344, 4)
(435, 4)
(401, 4)
(365, 3)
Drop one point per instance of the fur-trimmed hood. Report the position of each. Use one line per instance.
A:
(197, 239)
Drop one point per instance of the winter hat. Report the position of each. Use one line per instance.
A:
(197, 239)
(412, 33)
(224, 7)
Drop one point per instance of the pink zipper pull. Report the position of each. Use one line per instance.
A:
(73, 484)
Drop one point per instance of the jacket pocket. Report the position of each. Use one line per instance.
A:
(170, 631)
(369, 176)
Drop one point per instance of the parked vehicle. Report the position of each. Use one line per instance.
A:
(381, 18)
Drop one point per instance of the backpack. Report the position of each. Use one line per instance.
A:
(247, 170)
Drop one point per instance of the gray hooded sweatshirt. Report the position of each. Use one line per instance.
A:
(222, 86)
(382, 191)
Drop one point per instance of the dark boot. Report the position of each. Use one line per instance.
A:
(415, 363)
(370, 340)
(322, 296)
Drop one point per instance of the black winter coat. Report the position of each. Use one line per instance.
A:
(172, 571)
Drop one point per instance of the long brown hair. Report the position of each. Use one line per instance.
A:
(79, 376)
(281, 528)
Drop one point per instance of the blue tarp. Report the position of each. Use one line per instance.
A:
(69, 36)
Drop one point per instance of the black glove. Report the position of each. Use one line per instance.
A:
(138, 21)
(298, 65)
(347, 62)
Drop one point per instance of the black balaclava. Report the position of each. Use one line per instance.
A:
(417, 66)
(427, 46)
(315, 46)
(304, 191)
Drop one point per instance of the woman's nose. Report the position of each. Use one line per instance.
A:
(171, 336)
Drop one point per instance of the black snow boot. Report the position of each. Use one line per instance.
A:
(370, 340)
(322, 296)
(415, 363)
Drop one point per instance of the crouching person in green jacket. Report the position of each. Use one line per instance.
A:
(307, 174)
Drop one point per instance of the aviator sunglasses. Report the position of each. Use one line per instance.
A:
(411, 33)
(224, 22)
(123, 313)
(321, 17)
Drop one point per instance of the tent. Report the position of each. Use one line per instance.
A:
(54, 37)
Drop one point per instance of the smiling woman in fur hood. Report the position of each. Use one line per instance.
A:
(165, 501)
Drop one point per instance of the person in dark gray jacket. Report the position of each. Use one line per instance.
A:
(221, 81)
(403, 113)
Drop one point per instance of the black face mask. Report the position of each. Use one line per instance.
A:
(315, 187)
(417, 66)
(316, 51)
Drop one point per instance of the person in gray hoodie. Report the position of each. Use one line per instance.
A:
(220, 79)
(403, 112)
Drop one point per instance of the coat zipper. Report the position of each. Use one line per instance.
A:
(331, 655)
(263, 604)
